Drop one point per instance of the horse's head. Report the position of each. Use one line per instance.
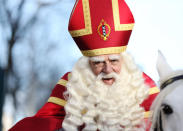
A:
(168, 106)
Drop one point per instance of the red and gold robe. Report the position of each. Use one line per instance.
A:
(51, 115)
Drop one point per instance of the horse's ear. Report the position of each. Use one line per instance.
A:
(162, 66)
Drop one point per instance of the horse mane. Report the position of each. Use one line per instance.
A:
(156, 105)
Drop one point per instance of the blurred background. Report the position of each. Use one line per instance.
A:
(36, 48)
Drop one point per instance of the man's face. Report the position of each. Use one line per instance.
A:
(106, 64)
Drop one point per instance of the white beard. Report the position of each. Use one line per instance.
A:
(113, 107)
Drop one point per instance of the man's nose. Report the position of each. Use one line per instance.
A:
(107, 68)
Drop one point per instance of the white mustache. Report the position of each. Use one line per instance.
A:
(107, 76)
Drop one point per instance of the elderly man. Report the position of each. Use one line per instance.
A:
(106, 90)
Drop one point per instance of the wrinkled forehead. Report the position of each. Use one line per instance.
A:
(105, 57)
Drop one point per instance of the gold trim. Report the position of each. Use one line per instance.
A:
(102, 51)
(57, 101)
(88, 28)
(147, 114)
(154, 90)
(62, 82)
(116, 17)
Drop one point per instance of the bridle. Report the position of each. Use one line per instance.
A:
(159, 127)
(170, 81)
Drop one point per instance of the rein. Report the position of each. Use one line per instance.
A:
(159, 127)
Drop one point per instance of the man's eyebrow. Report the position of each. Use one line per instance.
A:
(114, 57)
(97, 59)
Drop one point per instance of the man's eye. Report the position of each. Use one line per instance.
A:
(114, 61)
(97, 62)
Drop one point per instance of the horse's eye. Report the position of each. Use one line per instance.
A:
(167, 109)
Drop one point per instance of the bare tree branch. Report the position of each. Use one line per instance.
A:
(12, 18)
(7, 15)
(34, 18)
(46, 4)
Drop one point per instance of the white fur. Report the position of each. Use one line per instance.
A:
(171, 95)
(108, 108)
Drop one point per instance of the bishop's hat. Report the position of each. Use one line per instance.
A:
(101, 26)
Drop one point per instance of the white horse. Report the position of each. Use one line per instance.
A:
(168, 106)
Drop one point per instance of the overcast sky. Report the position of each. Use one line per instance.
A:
(159, 26)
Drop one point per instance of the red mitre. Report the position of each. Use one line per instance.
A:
(101, 26)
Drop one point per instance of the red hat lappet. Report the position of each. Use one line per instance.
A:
(101, 26)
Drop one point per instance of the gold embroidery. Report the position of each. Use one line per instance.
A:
(116, 17)
(57, 101)
(101, 51)
(104, 34)
(87, 19)
(154, 90)
(62, 82)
